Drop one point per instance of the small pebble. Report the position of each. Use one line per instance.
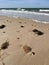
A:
(33, 53)
(22, 26)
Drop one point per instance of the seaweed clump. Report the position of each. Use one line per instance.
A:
(4, 45)
(37, 32)
(2, 26)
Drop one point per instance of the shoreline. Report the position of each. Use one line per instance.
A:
(38, 21)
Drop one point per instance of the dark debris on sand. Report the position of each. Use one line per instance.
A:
(33, 53)
(37, 32)
(4, 45)
(20, 22)
(22, 26)
(4, 32)
(32, 24)
(7, 20)
(18, 38)
(2, 26)
(27, 49)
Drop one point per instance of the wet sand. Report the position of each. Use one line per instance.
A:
(23, 42)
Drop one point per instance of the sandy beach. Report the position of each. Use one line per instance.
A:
(26, 42)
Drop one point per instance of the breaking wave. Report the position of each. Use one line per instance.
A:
(23, 13)
(44, 10)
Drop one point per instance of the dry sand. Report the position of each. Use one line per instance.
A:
(19, 34)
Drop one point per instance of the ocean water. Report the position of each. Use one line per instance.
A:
(40, 14)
